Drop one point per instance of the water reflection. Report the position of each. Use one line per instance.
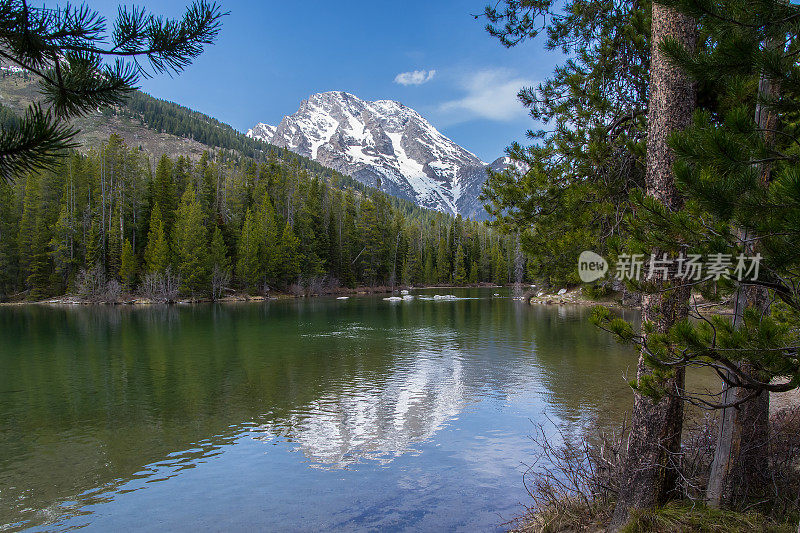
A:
(98, 405)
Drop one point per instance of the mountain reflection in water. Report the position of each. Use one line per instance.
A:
(319, 413)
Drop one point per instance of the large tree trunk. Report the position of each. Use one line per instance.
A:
(740, 468)
(649, 475)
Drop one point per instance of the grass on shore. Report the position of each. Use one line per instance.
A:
(675, 517)
(680, 517)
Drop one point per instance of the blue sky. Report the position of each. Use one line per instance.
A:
(271, 55)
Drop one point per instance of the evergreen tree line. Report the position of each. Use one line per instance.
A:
(115, 218)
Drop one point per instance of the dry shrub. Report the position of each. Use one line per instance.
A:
(697, 452)
(113, 290)
(220, 279)
(322, 285)
(571, 482)
(785, 462)
(296, 289)
(315, 286)
(93, 286)
(161, 287)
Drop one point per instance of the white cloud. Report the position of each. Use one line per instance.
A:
(490, 94)
(415, 77)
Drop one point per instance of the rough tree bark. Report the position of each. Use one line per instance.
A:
(740, 468)
(648, 476)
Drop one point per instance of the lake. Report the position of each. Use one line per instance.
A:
(296, 415)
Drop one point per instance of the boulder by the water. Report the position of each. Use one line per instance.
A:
(393, 299)
(562, 291)
(343, 298)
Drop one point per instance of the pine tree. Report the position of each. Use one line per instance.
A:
(582, 170)
(656, 424)
(181, 176)
(460, 275)
(473, 273)
(582, 175)
(207, 186)
(164, 191)
(249, 266)
(289, 258)
(8, 241)
(62, 245)
(156, 253)
(371, 238)
(312, 234)
(430, 268)
(114, 254)
(737, 162)
(128, 265)
(27, 223)
(39, 266)
(220, 264)
(348, 239)
(98, 200)
(499, 265)
(190, 245)
(415, 259)
(94, 246)
(309, 227)
(268, 238)
(443, 273)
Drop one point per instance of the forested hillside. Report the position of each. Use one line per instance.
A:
(159, 127)
(243, 216)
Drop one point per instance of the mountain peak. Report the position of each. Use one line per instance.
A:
(384, 144)
(340, 95)
(261, 131)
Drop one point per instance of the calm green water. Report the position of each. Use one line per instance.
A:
(319, 414)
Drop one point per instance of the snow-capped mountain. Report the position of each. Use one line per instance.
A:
(384, 144)
(262, 131)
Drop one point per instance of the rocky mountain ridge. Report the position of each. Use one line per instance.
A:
(387, 145)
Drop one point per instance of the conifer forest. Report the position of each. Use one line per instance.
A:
(116, 220)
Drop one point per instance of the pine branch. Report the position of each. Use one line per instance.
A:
(36, 143)
(67, 48)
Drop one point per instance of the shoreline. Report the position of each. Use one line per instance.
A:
(133, 300)
(530, 295)
(616, 300)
